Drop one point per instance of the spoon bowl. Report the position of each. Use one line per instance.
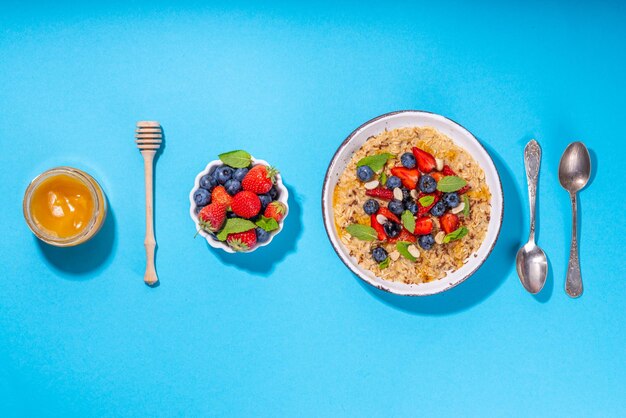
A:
(575, 167)
(532, 267)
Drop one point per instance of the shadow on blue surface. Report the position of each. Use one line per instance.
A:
(488, 277)
(87, 260)
(264, 260)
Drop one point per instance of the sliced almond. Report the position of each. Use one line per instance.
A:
(439, 164)
(397, 193)
(412, 249)
(439, 237)
(370, 185)
(381, 219)
(413, 194)
(459, 208)
(394, 256)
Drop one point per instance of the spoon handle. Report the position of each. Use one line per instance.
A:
(532, 162)
(574, 282)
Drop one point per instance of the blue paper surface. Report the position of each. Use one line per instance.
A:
(288, 330)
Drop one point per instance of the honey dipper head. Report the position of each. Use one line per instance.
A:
(148, 135)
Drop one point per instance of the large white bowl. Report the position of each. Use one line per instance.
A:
(461, 137)
(283, 197)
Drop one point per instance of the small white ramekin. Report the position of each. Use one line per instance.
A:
(283, 197)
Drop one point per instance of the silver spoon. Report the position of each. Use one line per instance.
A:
(574, 172)
(531, 261)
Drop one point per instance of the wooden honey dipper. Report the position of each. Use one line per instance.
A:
(149, 137)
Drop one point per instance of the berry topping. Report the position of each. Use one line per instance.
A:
(388, 214)
(275, 210)
(404, 236)
(221, 196)
(396, 207)
(273, 193)
(246, 204)
(232, 186)
(261, 235)
(202, 197)
(378, 228)
(379, 254)
(438, 209)
(408, 160)
(423, 226)
(223, 174)
(393, 182)
(212, 217)
(265, 200)
(408, 176)
(242, 241)
(207, 182)
(449, 222)
(371, 206)
(425, 162)
(411, 206)
(380, 193)
(240, 173)
(451, 200)
(427, 184)
(259, 179)
(392, 229)
(426, 241)
(364, 173)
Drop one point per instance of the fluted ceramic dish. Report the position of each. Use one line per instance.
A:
(283, 197)
(461, 137)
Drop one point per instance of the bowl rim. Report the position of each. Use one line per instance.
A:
(325, 203)
(283, 198)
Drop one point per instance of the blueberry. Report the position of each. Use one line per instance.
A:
(273, 193)
(438, 209)
(396, 207)
(364, 173)
(406, 195)
(224, 174)
(426, 241)
(213, 172)
(427, 184)
(261, 235)
(265, 200)
(198, 209)
(393, 182)
(207, 182)
(371, 206)
(452, 200)
(379, 254)
(202, 197)
(408, 160)
(392, 229)
(240, 173)
(231, 215)
(232, 186)
(411, 207)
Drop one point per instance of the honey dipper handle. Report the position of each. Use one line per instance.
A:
(150, 243)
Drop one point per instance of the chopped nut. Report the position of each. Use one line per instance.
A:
(413, 194)
(381, 219)
(413, 251)
(439, 237)
(370, 185)
(438, 164)
(397, 193)
(459, 208)
(394, 256)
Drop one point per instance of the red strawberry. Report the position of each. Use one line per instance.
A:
(388, 214)
(423, 226)
(259, 179)
(405, 235)
(447, 171)
(275, 210)
(449, 222)
(221, 196)
(212, 217)
(378, 228)
(380, 193)
(408, 176)
(246, 204)
(423, 210)
(437, 175)
(242, 241)
(425, 162)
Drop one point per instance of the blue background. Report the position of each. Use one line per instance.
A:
(288, 330)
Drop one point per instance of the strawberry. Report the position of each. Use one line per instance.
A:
(425, 162)
(259, 179)
(212, 217)
(437, 175)
(246, 204)
(447, 171)
(242, 241)
(408, 176)
(388, 214)
(221, 196)
(275, 210)
(449, 222)
(378, 228)
(380, 193)
(405, 235)
(423, 226)
(423, 210)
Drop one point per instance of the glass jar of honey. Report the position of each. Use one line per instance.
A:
(64, 206)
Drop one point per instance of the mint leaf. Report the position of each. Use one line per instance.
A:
(268, 224)
(375, 162)
(426, 201)
(450, 184)
(236, 159)
(403, 249)
(382, 179)
(362, 232)
(466, 208)
(408, 220)
(233, 226)
(459, 233)
(384, 264)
